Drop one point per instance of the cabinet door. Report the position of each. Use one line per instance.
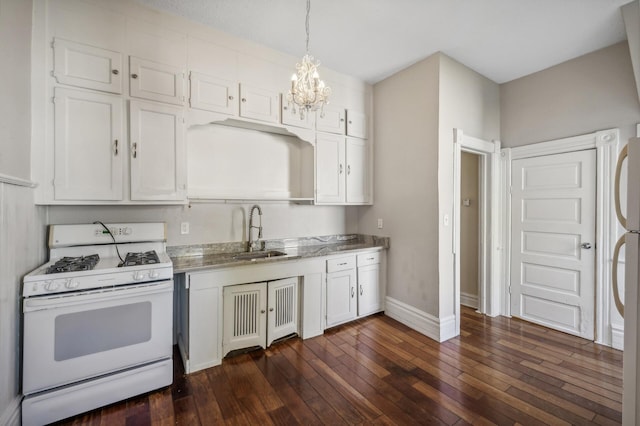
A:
(259, 104)
(213, 94)
(155, 81)
(341, 297)
(282, 319)
(88, 151)
(157, 152)
(369, 297)
(357, 171)
(356, 124)
(291, 118)
(330, 169)
(203, 305)
(331, 119)
(245, 319)
(81, 65)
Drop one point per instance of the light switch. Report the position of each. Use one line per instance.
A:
(380, 224)
(184, 228)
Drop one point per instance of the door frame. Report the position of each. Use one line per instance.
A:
(489, 222)
(605, 142)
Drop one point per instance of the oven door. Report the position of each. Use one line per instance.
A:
(72, 337)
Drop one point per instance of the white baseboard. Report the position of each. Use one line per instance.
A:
(11, 414)
(470, 300)
(617, 336)
(435, 328)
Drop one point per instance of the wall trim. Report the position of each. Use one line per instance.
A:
(617, 336)
(11, 180)
(11, 414)
(468, 299)
(420, 321)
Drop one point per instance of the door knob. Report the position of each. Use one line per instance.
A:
(585, 245)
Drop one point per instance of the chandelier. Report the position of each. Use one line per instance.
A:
(308, 92)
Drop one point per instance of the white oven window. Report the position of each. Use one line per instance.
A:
(97, 330)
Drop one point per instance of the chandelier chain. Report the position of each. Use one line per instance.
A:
(307, 23)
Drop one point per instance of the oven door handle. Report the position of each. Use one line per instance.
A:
(102, 295)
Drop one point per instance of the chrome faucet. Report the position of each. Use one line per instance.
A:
(257, 244)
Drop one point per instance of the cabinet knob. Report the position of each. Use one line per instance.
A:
(342, 120)
(134, 76)
(361, 291)
(284, 108)
(116, 147)
(230, 97)
(270, 309)
(350, 122)
(135, 150)
(115, 72)
(244, 99)
(340, 169)
(353, 292)
(349, 169)
(262, 311)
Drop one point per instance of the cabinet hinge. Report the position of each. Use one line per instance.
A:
(53, 99)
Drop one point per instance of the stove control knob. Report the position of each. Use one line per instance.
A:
(137, 276)
(51, 285)
(70, 284)
(154, 274)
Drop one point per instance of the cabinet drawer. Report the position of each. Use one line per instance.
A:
(365, 259)
(341, 263)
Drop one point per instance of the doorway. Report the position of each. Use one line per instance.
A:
(469, 229)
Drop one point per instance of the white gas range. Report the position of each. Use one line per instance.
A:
(98, 319)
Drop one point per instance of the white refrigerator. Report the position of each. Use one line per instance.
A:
(631, 361)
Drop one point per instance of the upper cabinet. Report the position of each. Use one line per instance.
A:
(88, 146)
(155, 81)
(81, 65)
(144, 104)
(157, 152)
(209, 93)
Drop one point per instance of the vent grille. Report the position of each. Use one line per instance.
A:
(245, 319)
(285, 306)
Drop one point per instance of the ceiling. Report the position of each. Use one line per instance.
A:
(372, 39)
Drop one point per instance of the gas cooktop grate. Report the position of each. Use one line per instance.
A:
(144, 258)
(72, 264)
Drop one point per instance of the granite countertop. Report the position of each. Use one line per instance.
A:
(222, 255)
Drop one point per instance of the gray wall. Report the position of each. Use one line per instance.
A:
(22, 227)
(15, 74)
(469, 216)
(593, 92)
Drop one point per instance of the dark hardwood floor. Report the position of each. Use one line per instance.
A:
(377, 371)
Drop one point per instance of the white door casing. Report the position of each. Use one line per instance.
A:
(553, 216)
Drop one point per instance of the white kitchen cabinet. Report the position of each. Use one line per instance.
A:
(90, 67)
(341, 290)
(88, 146)
(256, 314)
(290, 118)
(342, 170)
(259, 104)
(331, 119)
(213, 94)
(155, 81)
(157, 151)
(356, 124)
(370, 289)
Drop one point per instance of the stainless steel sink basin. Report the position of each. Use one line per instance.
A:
(259, 255)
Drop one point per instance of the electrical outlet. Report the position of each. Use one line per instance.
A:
(380, 224)
(184, 228)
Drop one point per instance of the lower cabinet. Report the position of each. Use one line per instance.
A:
(354, 287)
(257, 314)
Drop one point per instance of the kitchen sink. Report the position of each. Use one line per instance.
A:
(255, 255)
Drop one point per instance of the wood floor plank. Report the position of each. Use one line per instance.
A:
(375, 370)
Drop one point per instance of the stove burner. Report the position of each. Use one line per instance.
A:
(71, 264)
(146, 258)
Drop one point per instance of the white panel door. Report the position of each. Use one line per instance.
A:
(553, 235)
(259, 104)
(357, 171)
(356, 124)
(245, 319)
(213, 94)
(341, 297)
(88, 146)
(155, 81)
(330, 169)
(81, 65)
(331, 119)
(369, 297)
(282, 316)
(158, 169)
